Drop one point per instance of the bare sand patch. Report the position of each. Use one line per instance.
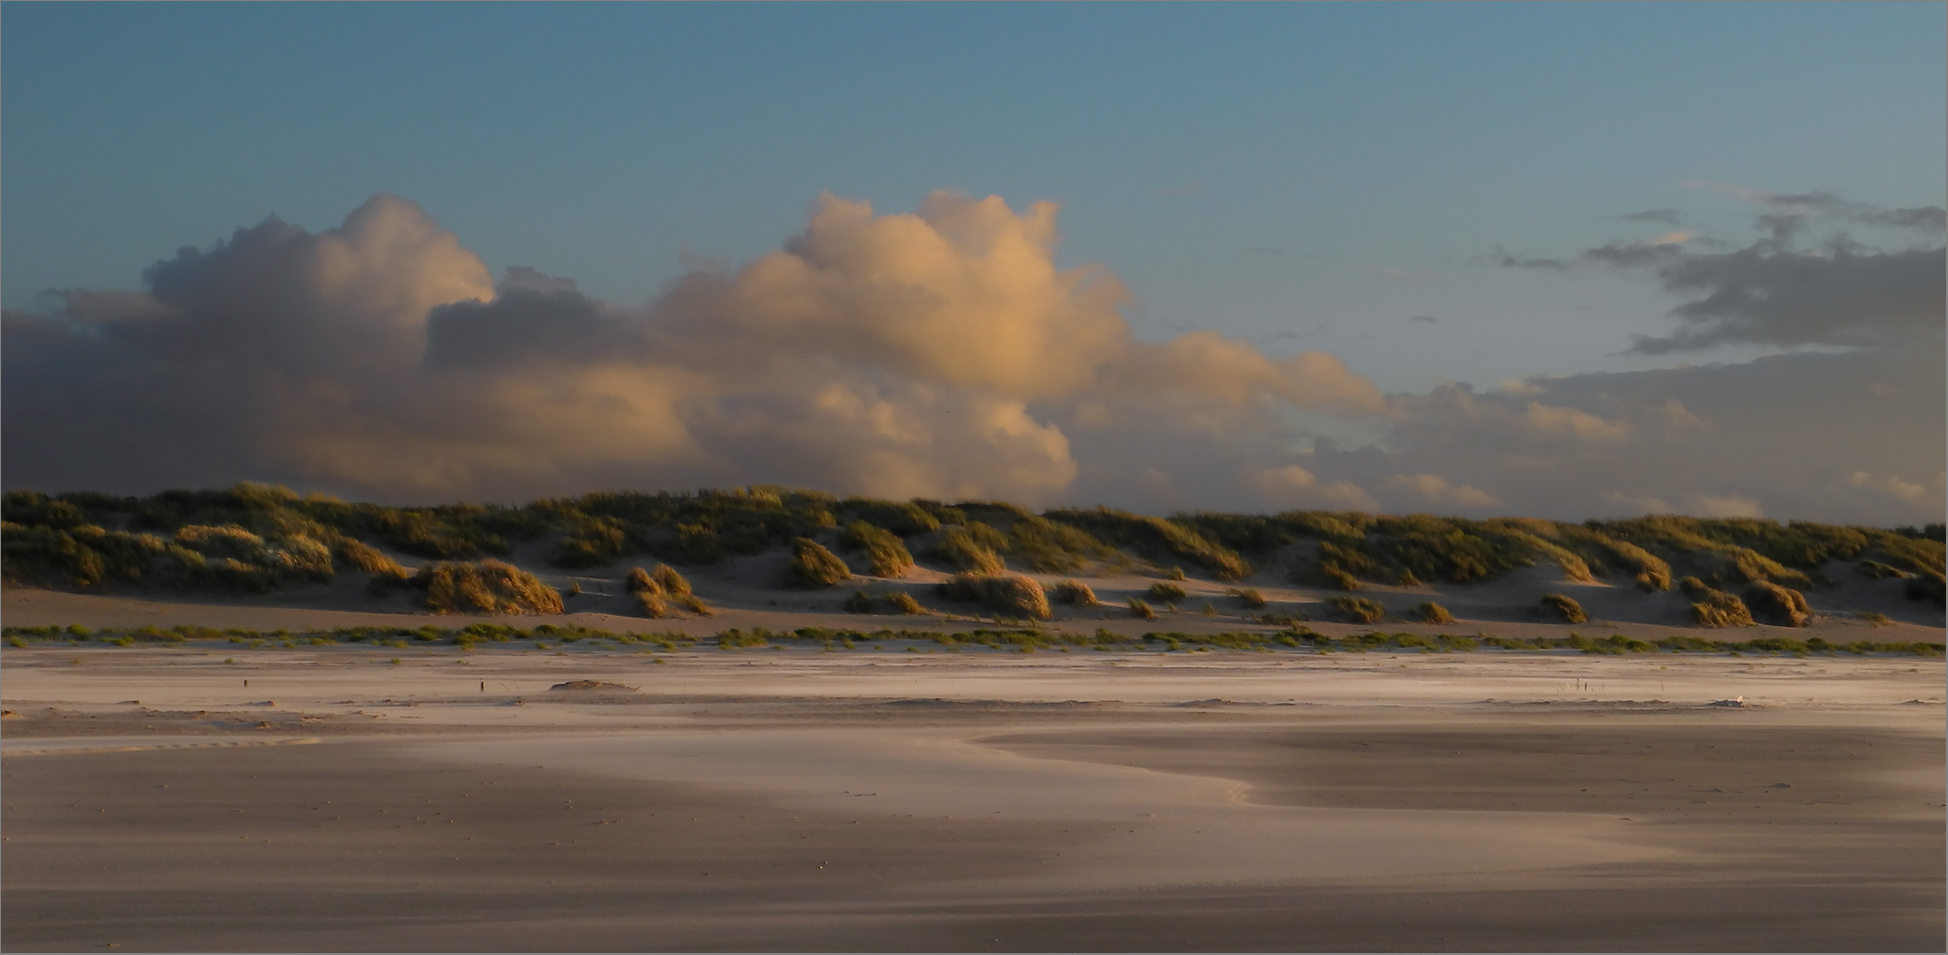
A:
(881, 801)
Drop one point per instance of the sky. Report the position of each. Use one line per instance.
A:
(1557, 260)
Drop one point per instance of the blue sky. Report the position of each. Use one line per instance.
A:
(1341, 178)
(1381, 150)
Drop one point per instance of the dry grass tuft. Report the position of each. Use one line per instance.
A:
(672, 582)
(899, 601)
(1358, 609)
(368, 559)
(1012, 594)
(971, 548)
(487, 586)
(1565, 606)
(1780, 606)
(814, 566)
(1075, 593)
(1165, 593)
(653, 605)
(640, 582)
(1431, 612)
(1142, 610)
(1249, 596)
(886, 555)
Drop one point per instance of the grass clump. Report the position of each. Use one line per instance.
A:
(1712, 607)
(901, 602)
(859, 603)
(1248, 596)
(1780, 606)
(672, 583)
(1011, 594)
(487, 586)
(1165, 592)
(1431, 612)
(971, 548)
(367, 559)
(1358, 609)
(1565, 606)
(1141, 610)
(638, 581)
(886, 555)
(814, 566)
(1075, 593)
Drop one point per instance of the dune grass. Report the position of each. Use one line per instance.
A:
(1776, 605)
(1358, 609)
(814, 566)
(254, 538)
(1712, 607)
(1248, 596)
(1010, 594)
(1565, 607)
(886, 555)
(1075, 593)
(1297, 639)
(486, 586)
(971, 548)
(1162, 592)
(1141, 610)
(1431, 612)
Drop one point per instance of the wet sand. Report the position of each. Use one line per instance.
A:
(793, 801)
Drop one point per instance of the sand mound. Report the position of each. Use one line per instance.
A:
(583, 685)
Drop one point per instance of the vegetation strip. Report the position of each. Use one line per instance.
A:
(1018, 639)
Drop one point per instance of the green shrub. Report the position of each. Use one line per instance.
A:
(1565, 607)
(1075, 593)
(1248, 596)
(1142, 610)
(1165, 593)
(814, 566)
(487, 586)
(1431, 612)
(1358, 609)
(971, 548)
(1780, 606)
(886, 555)
(1011, 594)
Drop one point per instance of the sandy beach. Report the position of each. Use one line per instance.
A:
(791, 799)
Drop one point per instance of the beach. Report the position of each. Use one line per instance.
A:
(879, 800)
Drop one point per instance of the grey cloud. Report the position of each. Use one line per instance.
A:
(1659, 216)
(1790, 299)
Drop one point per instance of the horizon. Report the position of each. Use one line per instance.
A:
(1566, 263)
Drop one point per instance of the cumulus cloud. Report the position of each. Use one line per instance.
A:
(935, 353)
(943, 353)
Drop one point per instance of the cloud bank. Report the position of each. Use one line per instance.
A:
(943, 353)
